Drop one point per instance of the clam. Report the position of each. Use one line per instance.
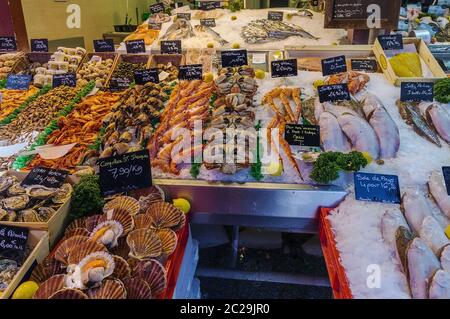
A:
(77, 254)
(45, 213)
(62, 194)
(107, 152)
(121, 216)
(40, 192)
(16, 189)
(29, 216)
(6, 182)
(126, 137)
(164, 215)
(16, 202)
(63, 251)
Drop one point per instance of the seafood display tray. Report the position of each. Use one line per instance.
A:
(38, 239)
(338, 279)
(55, 225)
(424, 53)
(276, 206)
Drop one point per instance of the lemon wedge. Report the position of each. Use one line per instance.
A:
(182, 204)
(25, 290)
(260, 74)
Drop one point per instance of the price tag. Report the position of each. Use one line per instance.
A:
(275, 16)
(171, 47)
(156, 8)
(335, 92)
(18, 82)
(210, 22)
(135, 46)
(184, 15)
(8, 44)
(39, 45)
(446, 173)
(154, 25)
(284, 68)
(391, 42)
(209, 5)
(377, 188)
(104, 45)
(234, 58)
(190, 72)
(13, 241)
(365, 65)
(417, 92)
(303, 135)
(124, 173)
(142, 77)
(119, 84)
(52, 178)
(68, 79)
(334, 65)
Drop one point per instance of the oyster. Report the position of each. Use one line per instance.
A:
(6, 182)
(29, 216)
(40, 192)
(16, 189)
(16, 202)
(63, 194)
(45, 213)
(3, 215)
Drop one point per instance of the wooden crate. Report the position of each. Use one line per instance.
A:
(424, 53)
(15, 64)
(55, 226)
(175, 59)
(315, 53)
(37, 239)
(130, 58)
(104, 55)
(32, 57)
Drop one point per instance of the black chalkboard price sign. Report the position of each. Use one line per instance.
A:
(156, 8)
(154, 25)
(135, 46)
(184, 15)
(365, 65)
(142, 77)
(302, 135)
(391, 41)
(284, 68)
(52, 178)
(117, 84)
(124, 173)
(234, 58)
(18, 82)
(446, 173)
(417, 92)
(209, 5)
(171, 47)
(39, 45)
(190, 72)
(334, 65)
(13, 242)
(68, 79)
(209, 22)
(8, 44)
(377, 188)
(275, 16)
(335, 92)
(106, 45)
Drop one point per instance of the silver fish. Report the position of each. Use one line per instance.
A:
(440, 285)
(331, 135)
(433, 235)
(445, 258)
(214, 34)
(438, 190)
(415, 207)
(437, 115)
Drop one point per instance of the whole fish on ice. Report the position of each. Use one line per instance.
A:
(433, 235)
(445, 258)
(437, 116)
(440, 285)
(331, 135)
(415, 207)
(438, 190)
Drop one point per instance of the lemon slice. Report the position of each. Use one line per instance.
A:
(260, 74)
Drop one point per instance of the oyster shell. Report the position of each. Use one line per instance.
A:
(107, 233)
(3, 215)
(45, 213)
(110, 289)
(137, 288)
(16, 189)
(63, 194)
(29, 216)
(40, 192)
(144, 244)
(6, 182)
(16, 202)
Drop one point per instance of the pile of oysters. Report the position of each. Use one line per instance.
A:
(33, 204)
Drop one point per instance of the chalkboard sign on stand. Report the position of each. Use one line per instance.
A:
(417, 92)
(334, 65)
(13, 242)
(106, 45)
(135, 46)
(142, 77)
(307, 136)
(18, 82)
(234, 58)
(171, 47)
(332, 93)
(377, 188)
(68, 79)
(191, 72)
(8, 44)
(52, 178)
(39, 45)
(284, 68)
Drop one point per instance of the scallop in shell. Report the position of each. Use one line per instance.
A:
(156, 195)
(63, 194)
(164, 215)
(77, 223)
(69, 294)
(63, 251)
(16, 202)
(45, 213)
(40, 192)
(92, 221)
(168, 239)
(144, 244)
(6, 182)
(83, 250)
(29, 216)
(50, 286)
(154, 274)
(16, 189)
(77, 232)
(142, 221)
(121, 269)
(121, 249)
(110, 289)
(120, 215)
(107, 233)
(181, 224)
(127, 203)
(46, 269)
(137, 288)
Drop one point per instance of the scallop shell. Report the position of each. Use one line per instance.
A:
(83, 250)
(16, 202)
(63, 251)
(137, 288)
(92, 221)
(77, 223)
(110, 289)
(164, 215)
(181, 224)
(133, 263)
(154, 274)
(40, 192)
(16, 189)
(144, 244)
(46, 269)
(156, 195)
(77, 232)
(69, 294)
(63, 194)
(121, 249)
(169, 240)
(90, 271)
(50, 286)
(142, 221)
(107, 233)
(122, 216)
(130, 204)
(121, 268)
